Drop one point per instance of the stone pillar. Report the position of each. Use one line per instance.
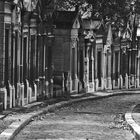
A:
(114, 84)
(22, 94)
(18, 71)
(138, 70)
(126, 81)
(104, 70)
(121, 82)
(92, 62)
(86, 72)
(49, 75)
(91, 87)
(51, 88)
(74, 60)
(133, 66)
(18, 94)
(37, 84)
(96, 83)
(86, 65)
(109, 70)
(76, 83)
(27, 87)
(2, 41)
(63, 84)
(11, 96)
(29, 90)
(69, 83)
(14, 97)
(47, 89)
(113, 70)
(46, 79)
(129, 76)
(129, 81)
(35, 90)
(3, 91)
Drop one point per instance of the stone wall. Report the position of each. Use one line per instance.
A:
(61, 50)
(1, 41)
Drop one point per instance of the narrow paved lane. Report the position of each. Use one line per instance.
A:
(101, 119)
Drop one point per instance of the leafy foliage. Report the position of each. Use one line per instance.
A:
(107, 9)
(68, 4)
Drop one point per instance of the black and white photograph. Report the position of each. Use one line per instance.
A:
(69, 69)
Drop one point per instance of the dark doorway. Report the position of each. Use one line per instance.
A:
(7, 58)
(99, 62)
(116, 68)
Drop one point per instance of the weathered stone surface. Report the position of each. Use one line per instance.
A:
(84, 120)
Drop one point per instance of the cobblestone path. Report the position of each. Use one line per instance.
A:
(101, 119)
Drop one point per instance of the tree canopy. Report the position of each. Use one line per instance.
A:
(117, 11)
(120, 13)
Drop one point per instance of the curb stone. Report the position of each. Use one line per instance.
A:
(16, 126)
(134, 127)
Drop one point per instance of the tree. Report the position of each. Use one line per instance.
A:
(115, 11)
(68, 4)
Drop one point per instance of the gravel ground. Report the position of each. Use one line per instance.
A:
(101, 119)
(9, 116)
(4, 124)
